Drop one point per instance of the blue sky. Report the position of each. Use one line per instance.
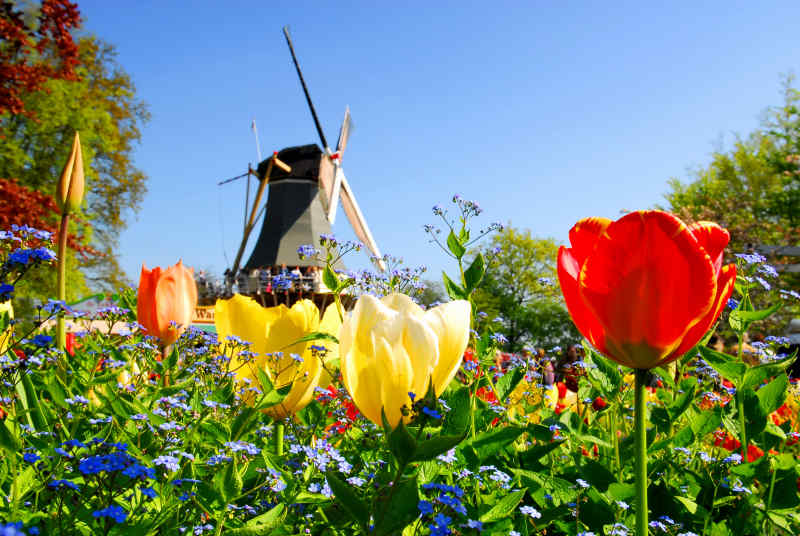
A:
(543, 112)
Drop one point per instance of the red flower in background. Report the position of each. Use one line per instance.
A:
(645, 289)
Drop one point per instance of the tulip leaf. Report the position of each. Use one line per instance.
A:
(330, 278)
(402, 510)
(8, 440)
(346, 497)
(37, 411)
(430, 448)
(504, 507)
(455, 246)
(171, 361)
(727, 366)
(474, 274)
(453, 289)
(401, 442)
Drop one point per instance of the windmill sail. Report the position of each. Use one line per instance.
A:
(358, 222)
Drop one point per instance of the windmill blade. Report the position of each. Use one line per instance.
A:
(305, 90)
(357, 220)
(344, 133)
(333, 200)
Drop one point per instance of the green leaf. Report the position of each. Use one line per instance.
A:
(755, 416)
(172, 359)
(740, 319)
(261, 525)
(690, 505)
(8, 439)
(346, 497)
(228, 482)
(681, 403)
(455, 246)
(755, 376)
(508, 382)
(490, 443)
(454, 290)
(474, 274)
(402, 510)
(330, 278)
(706, 421)
(37, 411)
(504, 507)
(727, 366)
(773, 395)
(317, 336)
(239, 426)
(541, 484)
(429, 449)
(401, 442)
(456, 421)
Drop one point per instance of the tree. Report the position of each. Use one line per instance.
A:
(101, 103)
(520, 293)
(753, 189)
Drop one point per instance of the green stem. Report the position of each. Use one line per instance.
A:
(61, 335)
(279, 438)
(615, 441)
(640, 417)
(740, 403)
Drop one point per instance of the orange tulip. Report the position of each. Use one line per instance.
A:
(166, 297)
(645, 289)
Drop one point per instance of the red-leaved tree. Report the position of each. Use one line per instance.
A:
(30, 55)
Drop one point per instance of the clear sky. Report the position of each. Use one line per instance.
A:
(544, 112)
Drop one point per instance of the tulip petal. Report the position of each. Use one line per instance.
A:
(584, 319)
(725, 284)
(393, 366)
(584, 236)
(245, 318)
(175, 299)
(648, 282)
(713, 239)
(450, 321)
(145, 304)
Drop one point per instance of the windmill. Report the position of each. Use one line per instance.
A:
(306, 184)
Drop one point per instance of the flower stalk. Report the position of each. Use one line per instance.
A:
(640, 438)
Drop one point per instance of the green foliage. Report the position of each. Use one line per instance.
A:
(521, 288)
(102, 105)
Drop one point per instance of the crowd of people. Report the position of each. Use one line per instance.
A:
(269, 279)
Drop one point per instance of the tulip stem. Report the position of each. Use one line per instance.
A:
(61, 334)
(279, 438)
(640, 423)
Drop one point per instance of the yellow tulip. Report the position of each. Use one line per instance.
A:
(6, 315)
(390, 347)
(275, 329)
(69, 191)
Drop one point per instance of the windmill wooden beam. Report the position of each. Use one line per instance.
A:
(248, 228)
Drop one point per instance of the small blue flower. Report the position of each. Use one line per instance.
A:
(114, 512)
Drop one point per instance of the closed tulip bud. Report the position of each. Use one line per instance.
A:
(166, 301)
(6, 316)
(391, 347)
(69, 191)
(277, 329)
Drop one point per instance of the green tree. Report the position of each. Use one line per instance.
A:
(520, 295)
(753, 189)
(102, 105)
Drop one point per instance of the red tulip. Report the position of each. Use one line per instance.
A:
(165, 297)
(645, 289)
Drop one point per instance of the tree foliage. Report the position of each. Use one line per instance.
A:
(752, 189)
(520, 294)
(101, 104)
(25, 40)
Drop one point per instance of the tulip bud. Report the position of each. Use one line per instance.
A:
(6, 329)
(69, 191)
